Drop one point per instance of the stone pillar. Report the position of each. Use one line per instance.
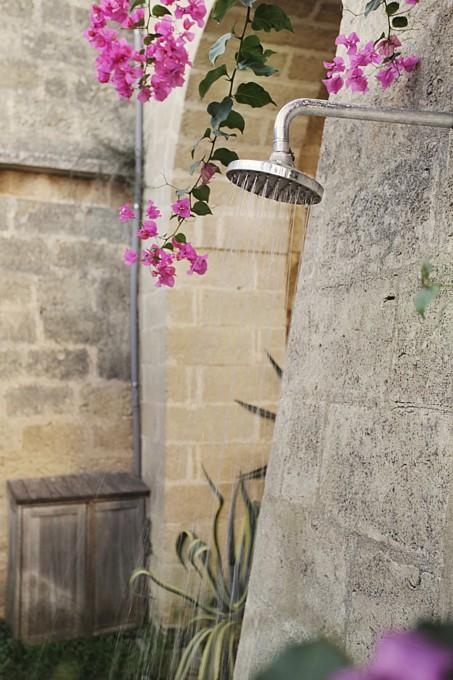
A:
(355, 532)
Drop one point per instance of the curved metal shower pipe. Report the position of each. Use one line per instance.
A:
(326, 109)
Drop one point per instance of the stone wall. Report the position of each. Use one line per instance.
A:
(64, 319)
(355, 532)
(204, 344)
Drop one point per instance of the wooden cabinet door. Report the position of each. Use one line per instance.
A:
(117, 533)
(53, 572)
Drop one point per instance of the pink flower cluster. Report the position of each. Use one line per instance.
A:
(159, 66)
(404, 656)
(350, 71)
(161, 260)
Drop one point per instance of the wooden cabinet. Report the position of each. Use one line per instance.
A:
(73, 544)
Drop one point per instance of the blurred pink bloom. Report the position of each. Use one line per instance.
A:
(356, 80)
(387, 46)
(181, 207)
(126, 213)
(129, 257)
(333, 85)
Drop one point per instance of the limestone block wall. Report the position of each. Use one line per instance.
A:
(204, 343)
(64, 309)
(355, 531)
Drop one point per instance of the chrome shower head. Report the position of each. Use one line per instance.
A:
(275, 180)
(279, 180)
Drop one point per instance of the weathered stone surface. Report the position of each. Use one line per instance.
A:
(62, 364)
(109, 400)
(11, 363)
(68, 310)
(53, 123)
(33, 400)
(363, 442)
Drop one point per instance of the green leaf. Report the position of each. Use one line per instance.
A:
(253, 95)
(137, 3)
(271, 17)
(234, 121)
(201, 208)
(194, 167)
(160, 11)
(221, 7)
(372, 6)
(258, 68)
(210, 78)
(399, 22)
(205, 135)
(392, 8)
(219, 47)
(225, 156)
(202, 193)
(181, 238)
(168, 246)
(219, 111)
(424, 298)
(308, 661)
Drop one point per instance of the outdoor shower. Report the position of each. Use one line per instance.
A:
(279, 180)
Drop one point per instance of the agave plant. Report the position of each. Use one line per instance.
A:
(214, 631)
(262, 412)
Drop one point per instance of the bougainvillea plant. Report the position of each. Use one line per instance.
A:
(159, 65)
(425, 653)
(382, 57)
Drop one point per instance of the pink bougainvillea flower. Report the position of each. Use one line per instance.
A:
(387, 46)
(148, 230)
(181, 207)
(356, 80)
(199, 265)
(349, 41)
(410, 656)
(126, 213)
(134, 19)
(333, 85)
(335, 66)
(207, 172)
(196, 9)
(366, 56)
(130, 257)
(409, 63)
(411, 2)
(152, 211)
(404, 656)
(387, 76)
(144, 95)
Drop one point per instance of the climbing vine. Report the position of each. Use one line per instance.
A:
(383, 56)
(158, 65)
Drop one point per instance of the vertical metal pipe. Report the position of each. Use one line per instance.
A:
(134, 284)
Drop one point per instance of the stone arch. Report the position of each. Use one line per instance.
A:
(204, 343)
